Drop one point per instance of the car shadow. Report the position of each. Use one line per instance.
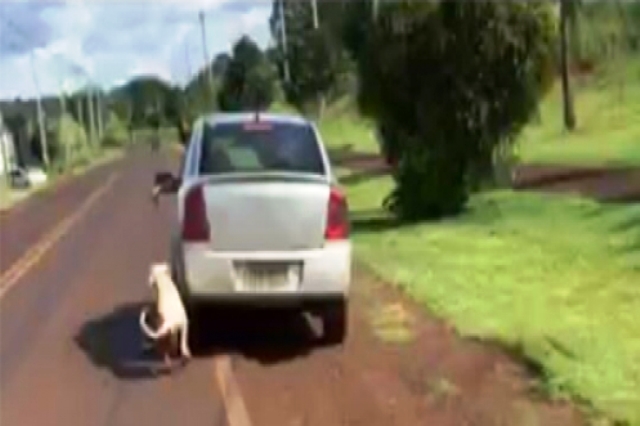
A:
(115, 342)
(267, 336)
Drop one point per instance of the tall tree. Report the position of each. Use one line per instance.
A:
(249, 80)
(452, 83)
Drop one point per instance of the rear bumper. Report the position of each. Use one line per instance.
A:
(207, 275)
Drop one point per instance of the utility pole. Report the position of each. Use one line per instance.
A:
(92, 119)
(41, 119)
(316, 26)
(187, 60)
(205, 52)
(62, 100)
(79, 110)
(283, 33)
(567, 98)
(4, 151)
(99, 114)
(314, 8)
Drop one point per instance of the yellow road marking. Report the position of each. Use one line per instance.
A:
(235, 408)
(12, 275)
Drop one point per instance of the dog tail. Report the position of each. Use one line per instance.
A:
(155, 335)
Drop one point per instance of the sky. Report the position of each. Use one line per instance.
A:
(71, 42)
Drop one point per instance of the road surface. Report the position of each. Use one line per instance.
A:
(73, 265)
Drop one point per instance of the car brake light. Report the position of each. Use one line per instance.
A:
(337, 217)
(195, 226)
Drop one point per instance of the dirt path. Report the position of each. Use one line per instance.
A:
(600, 183)
(398, 367)
(604, 184)
(70, 345)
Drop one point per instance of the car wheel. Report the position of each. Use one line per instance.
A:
(195, 314)
(335, 323)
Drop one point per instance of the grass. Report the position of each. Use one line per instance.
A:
(608, 132)
(608, 118)
(555, 276)
(341, 128)
(9, 197)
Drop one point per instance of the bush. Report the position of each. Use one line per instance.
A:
(115, 132)
(72, 142)
(452, 82)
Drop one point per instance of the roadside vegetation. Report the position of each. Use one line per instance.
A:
(608, 133)
(70, 151)
(552, 278)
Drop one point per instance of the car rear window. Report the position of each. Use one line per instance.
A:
(258, 147)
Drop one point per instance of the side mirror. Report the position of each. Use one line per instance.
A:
(166, 182)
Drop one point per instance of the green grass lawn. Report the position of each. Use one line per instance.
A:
(556, 277)
(608, 118)
(343, 129)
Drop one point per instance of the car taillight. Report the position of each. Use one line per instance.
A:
(195, 226)
(337, 217)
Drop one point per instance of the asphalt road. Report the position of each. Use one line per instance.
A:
(73, 277)
(69, 348)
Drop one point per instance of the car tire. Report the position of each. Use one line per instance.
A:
(195, 313)
(335, 321)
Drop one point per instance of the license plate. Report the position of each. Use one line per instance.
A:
(267, 276)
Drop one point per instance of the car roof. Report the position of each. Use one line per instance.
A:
(239, 117)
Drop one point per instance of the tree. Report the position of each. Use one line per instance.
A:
(317, 59)
(452, 83)
(249, 80)
(147, 99)
(115, 131)
(220, 64)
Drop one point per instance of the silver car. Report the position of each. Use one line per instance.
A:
(260, 218)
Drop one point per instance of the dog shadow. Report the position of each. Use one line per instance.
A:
(115, 342)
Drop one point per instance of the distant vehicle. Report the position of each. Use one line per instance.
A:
(18, 179)
(23, 178)
(260, 218)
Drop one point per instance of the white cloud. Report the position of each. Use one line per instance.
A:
(113, 40)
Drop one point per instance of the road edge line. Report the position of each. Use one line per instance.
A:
(235, 408)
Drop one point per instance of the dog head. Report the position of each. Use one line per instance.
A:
(157, 270)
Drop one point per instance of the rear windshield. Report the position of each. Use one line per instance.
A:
(259, 147)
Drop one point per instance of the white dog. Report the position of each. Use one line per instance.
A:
(173, 321)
